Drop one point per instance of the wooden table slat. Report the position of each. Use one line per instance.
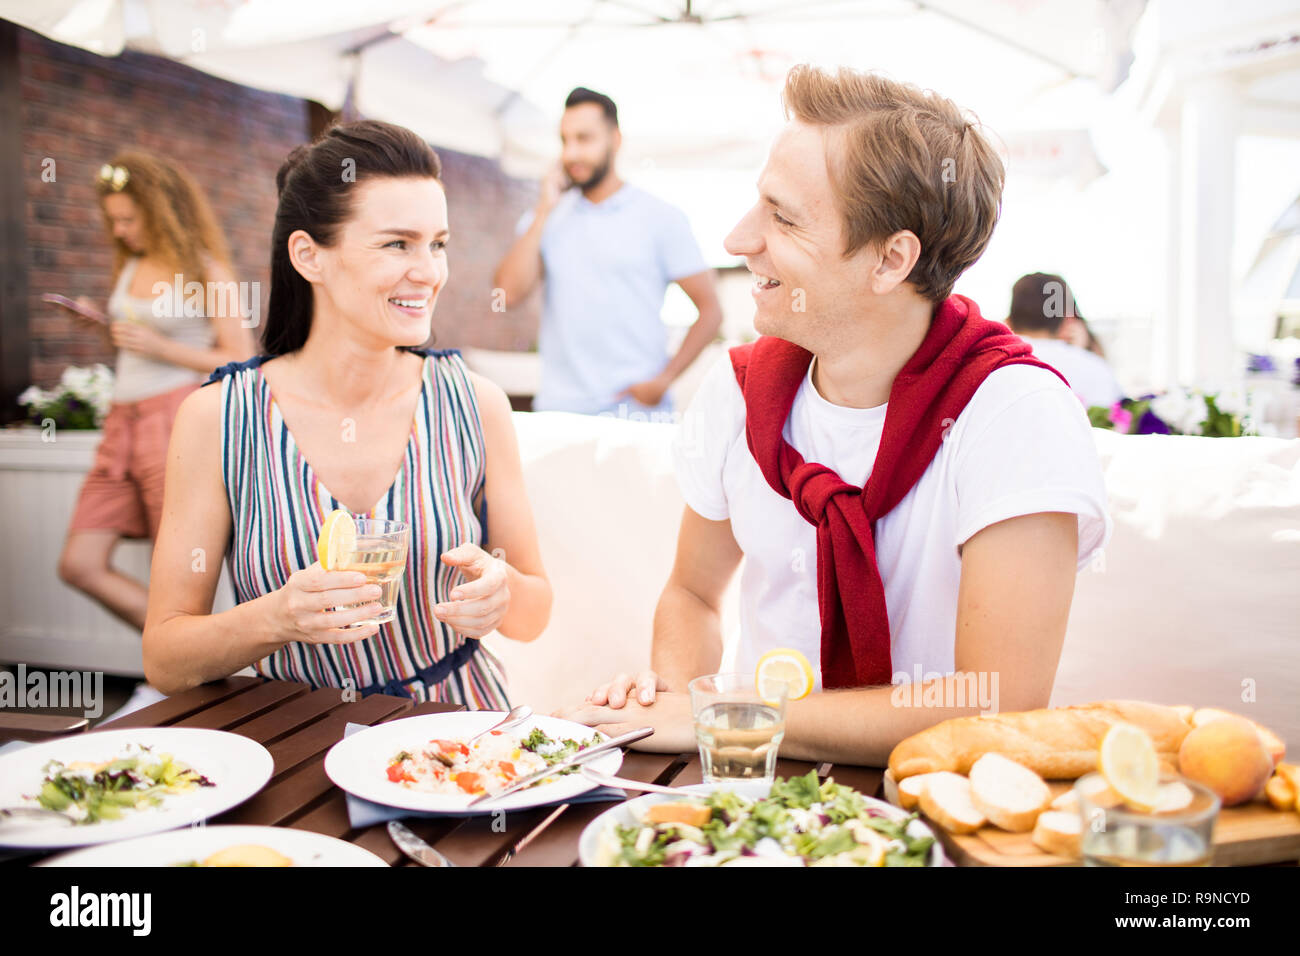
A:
(179, 706)
(319, 737)
(282, 799)
(291, 716)
(244, 707)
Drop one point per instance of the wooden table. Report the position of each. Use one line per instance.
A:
(298, 726)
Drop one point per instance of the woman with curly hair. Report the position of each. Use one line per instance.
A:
(163, 233)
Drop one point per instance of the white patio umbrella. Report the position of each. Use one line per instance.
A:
(697, 81)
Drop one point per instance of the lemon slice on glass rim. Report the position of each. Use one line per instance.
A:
(338, 539)
(784, 665)
(1128, 761)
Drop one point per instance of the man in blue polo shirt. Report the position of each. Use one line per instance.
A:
(607, 251)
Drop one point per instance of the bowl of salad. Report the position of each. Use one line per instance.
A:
(802, 821)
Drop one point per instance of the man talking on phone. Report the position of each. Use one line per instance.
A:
(607, 252)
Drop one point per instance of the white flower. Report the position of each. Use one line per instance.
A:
(1194, 415)
(1170, 407)
(33, 396)
(76, 380)
(1233, 401)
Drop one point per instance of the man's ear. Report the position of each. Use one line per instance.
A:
(305, 255)
(898, 255)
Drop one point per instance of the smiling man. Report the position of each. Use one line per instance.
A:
(911, 491)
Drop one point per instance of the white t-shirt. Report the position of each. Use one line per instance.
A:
(1021, 446)
(1089, 374)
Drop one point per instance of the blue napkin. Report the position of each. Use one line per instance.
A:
(365, 813)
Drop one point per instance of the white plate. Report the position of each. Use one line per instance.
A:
(359, 763)
(198, 843)
(621, 815)
(238, 768)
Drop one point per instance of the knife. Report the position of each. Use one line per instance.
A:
(580, 757)
(417, 849)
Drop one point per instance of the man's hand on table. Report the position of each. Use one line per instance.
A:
(617, 692)
(669, 715)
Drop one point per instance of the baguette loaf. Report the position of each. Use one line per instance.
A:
(1058, 744)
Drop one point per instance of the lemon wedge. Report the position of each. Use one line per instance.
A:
(786, 666)
(337, 541)
(1128, 762)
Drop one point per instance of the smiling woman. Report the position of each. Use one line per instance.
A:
(344, 411)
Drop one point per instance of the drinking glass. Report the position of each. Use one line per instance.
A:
(738, 729)
(1122, 836)
(379, 554)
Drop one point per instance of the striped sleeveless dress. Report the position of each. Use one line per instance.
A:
(277, 506)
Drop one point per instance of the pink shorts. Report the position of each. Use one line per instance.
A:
(123, 490)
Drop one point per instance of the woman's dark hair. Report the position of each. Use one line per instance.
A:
(316, 184)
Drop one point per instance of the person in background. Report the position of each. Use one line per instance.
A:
(161, 227)
(606, 252)
(346, 412)
(1076, 331)
(1040, 305)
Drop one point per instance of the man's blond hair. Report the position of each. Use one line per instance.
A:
(903, 158)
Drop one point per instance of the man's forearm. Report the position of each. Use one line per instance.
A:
(861, 726)
(704, 331)
(521, 268)
(687, 638)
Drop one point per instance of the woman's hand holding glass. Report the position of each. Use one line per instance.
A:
(315, 604)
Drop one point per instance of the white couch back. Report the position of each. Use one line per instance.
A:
(1197, 600)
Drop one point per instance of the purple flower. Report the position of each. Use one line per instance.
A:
(1296, 381)
(1260, 363)
(1151, 424)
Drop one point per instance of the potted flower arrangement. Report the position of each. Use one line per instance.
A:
(79, 401)
(1179, 411)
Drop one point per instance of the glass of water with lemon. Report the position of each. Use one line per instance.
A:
(1133, 814)
(740, 718)
(373, 546)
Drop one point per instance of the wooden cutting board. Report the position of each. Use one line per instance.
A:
(1247, 835)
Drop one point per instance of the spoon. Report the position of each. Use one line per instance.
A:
(39, 813)
(622, 783)
(513, 719)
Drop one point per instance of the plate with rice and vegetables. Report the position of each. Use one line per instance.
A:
(429, 763)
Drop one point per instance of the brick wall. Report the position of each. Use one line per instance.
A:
(78, 109)
(483, 206)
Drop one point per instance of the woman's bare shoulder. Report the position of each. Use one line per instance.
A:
(491, 397)
(200, 412)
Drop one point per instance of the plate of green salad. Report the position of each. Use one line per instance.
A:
(800, 821)
(115, 784)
